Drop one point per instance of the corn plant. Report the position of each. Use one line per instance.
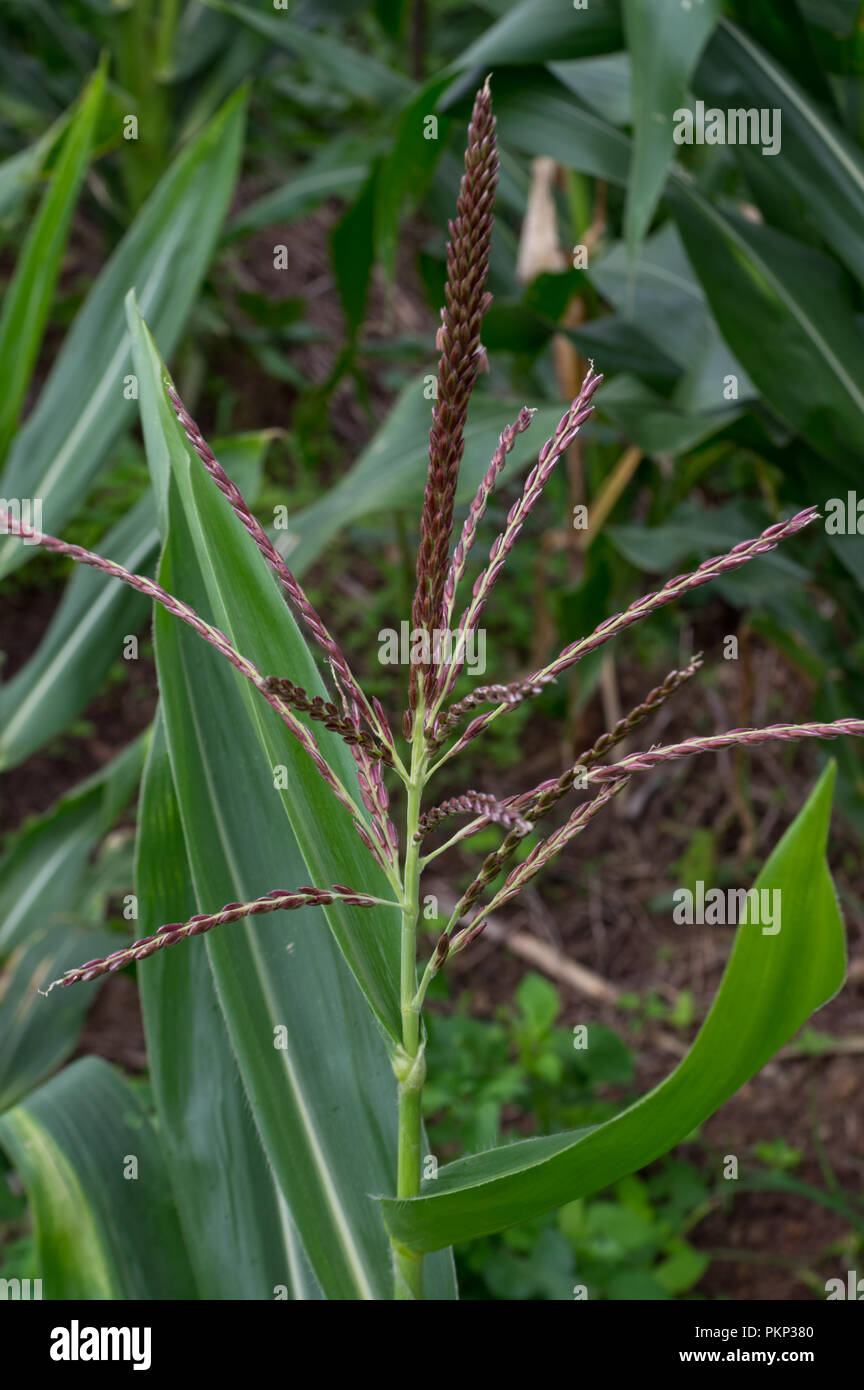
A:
(343, 759)
(52, 458)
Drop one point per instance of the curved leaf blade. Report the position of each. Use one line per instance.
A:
(664, 40)
(37, 1035)
(279, 1004)
(663, 300)
(771, 986)
(27, 300)
(311, 185)
(313, 1061)
(20, 173)
(784, 311)
(537, 31)
(85, 635)
(43, 868)
(349, 69)
(541, 117)
(819, 162)
(99, 1234)
(83, 405)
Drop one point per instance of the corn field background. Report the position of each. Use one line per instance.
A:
(227, 231)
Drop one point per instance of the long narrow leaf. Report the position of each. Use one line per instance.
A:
(105, 1225)
(86, 635)
(35, 1036)
(251, 611)
(20, 173)
(349, 69)
(43, 868)
(325, 1113)
(88, 399)
(782, 307)
(27, 300)
(538, 31)
(817, 162)
(771, 986)
(785, 312)
(241, 1240)
(665, 40)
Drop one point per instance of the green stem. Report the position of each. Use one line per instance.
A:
(408, 1264)
(165, 32)
(140, 42)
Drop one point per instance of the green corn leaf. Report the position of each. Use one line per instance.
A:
(100, 1233)
(44, 867)
(771, 986)
(352, 252)
(539, 31)
(239, 62)
(201, 35)
(308, 188)
(783, 308)
(786, 36)
(83, 640)
(85, 637)
(247, 606)
(314, 1068)
(655, 424)
(37, 1034)
(665, 41)
(20, 173)
(664, 301)
(615, 341)
(818, 164)
(539, 116)
(604, 83)
(28, 296)
(241, 1240)
(52, 908)
(786, 313)
(325, 1110)
(839, 15)
(690, 530)
(280, 981)
(407, 169)
(83, 406)
(349, 70)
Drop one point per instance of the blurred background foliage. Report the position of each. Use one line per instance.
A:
(274, 181)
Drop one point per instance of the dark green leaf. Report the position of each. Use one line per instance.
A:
(101, 1232)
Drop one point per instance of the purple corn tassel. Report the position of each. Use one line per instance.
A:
(473, 804)
(649, 603)
(291, 587)
(181, 610)
(734, 738)
(461, 356)
(278, 900)
(523, 873)
(568, 428)
(539, 802)
(478, 510)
